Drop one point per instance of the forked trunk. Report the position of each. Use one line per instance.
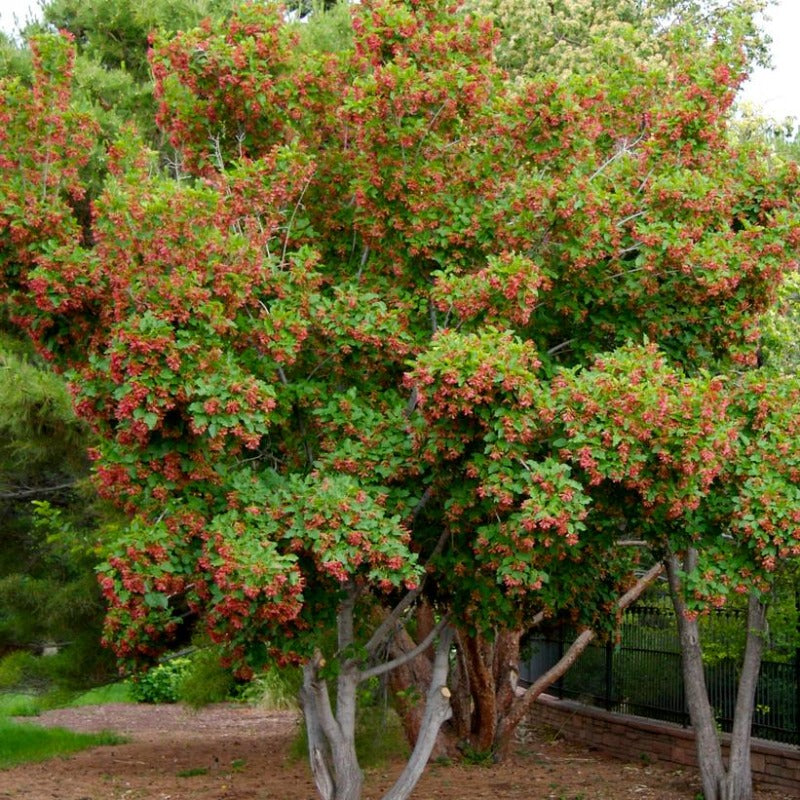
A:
(719, 783)
(488, 678)
(331, 736)
(331, 739)
(437, 711)
(486, 706)
(409, 684)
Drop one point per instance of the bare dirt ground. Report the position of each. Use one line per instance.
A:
(229, 752)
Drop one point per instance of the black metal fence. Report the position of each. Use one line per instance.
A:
(642, 673)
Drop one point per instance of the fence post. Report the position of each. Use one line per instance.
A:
(609, 670)
(797, 695)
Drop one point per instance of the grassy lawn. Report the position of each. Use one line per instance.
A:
(113, 693)
(21, 704)
(20, 742)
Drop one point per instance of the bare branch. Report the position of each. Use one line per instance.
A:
(388, 666)
(630, 218)
(364, 259)
(625, 148)
(636, 591)
(412, 402)
(384, 630)
(297, 205)
(428, 129)
(423, 501)
(543, 682)
(19, 494)
(432, 313)
(538, 619)
(559, 347)
(437, 710)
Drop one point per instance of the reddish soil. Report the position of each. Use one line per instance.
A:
(231, 752)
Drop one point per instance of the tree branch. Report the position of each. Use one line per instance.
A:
(437, 710)
(543, 682)
(383, 630)
(553, 350)
(388, 666)
(19, 494)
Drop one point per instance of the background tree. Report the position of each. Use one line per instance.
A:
(568, 37)
(48, 590)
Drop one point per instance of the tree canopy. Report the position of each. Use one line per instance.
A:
(393, 325)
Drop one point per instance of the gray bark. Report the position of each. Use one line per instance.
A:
(738, 784)
(719, 783)
(709, 752)
(437, 710)
(331, 736)
(313, 700)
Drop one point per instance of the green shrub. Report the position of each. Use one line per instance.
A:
(18, 705)
(13, 669)
(75, 667)
(276, 689)
(205, 681)
(379, 736)
(111, 693)
(161, 683)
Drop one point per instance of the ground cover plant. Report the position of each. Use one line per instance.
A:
(400, 348)
(22, 742)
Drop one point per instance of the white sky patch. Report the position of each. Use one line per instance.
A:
(15, 13)
(777, 91)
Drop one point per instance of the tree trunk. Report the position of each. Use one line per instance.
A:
(522, 704)
(738, 783)
(437, 710)
(506, 671)
(331, 741)
(331, 736)
(479, 657)
(409, 684)
(486, 706)
(709, 752)
(458, 728)
(719, 783)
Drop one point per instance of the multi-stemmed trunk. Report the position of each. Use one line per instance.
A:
(719, 783)
(487, 706)
(331, 736)
(331, 732)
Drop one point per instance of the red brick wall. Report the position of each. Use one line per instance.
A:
(630, 738)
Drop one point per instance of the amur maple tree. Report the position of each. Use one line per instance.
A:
(398, 334)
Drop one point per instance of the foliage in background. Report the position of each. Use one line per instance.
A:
(379, 737)
(275, 689)
(49, 518)
(564, 38)
(205, 681)
(162, 683)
